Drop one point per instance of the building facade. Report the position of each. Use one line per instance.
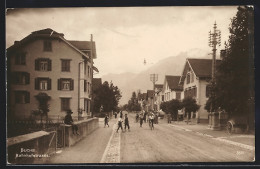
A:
(45, 63)
(172, 89)
(195, 79)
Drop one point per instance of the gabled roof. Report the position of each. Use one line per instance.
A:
(173, 82)
(49, 33)
(97, 82)
(84, 46)
(202, 68)
(158, 86)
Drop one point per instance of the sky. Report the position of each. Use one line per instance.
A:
(125, 36)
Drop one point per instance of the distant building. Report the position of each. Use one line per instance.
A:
(172, 89)
(46, 63)
(158, 96)
(195, 79)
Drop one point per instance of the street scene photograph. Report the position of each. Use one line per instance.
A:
(130, 85)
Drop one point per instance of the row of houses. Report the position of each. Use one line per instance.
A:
(44, 63)
(193, 82)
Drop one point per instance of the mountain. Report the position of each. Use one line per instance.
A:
(173, 65)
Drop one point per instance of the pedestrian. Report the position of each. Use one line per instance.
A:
(136, 117)
(169, 118)
(126, 122)
(151, 117)
(119, 123)
(115, 115)
(141, 117)
(145, 114)
(106, 121)
(69, 121)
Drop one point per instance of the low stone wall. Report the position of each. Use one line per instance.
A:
(31, 148)
(85, 127)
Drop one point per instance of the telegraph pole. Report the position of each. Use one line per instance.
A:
(214, 40)
(153, 78)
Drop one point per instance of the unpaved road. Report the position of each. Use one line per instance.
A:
(168, 144)
(142, 145)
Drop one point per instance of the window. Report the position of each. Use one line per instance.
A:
(207, 91)
(47, 46)
(192, 77)
(85, 85)
(65, 104)
(43, 64)
(20, 58)
(42, 84)
(178, 95)
(21, 78)
(22, 97)
(65, 65)
(88, 71)
(65, 84)
(188, 78)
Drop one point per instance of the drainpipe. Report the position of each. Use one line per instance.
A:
(79, 87)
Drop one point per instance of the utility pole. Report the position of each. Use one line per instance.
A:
(214, 40)
(153, 78)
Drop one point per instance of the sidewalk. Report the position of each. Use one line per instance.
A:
(203, 129)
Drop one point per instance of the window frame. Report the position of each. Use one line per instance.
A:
(65, 103)
(47, 45)
(65, 65)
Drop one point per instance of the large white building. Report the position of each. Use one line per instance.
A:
(195, 78)
(46, 64)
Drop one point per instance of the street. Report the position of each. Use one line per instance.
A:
(165, 143)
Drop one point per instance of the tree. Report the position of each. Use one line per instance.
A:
(107, 96)
(43, 106)
(234, 90)
(190, 105)
(133, 104)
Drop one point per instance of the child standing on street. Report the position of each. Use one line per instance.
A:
(106, 121)
(126, 122)
(119, 123)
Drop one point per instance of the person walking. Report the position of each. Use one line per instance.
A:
(106, 121)
(69, 121)
(126, 122)
(151, 118)
(119, 123)
(141, 118)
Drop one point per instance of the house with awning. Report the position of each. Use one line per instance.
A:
(195, 79)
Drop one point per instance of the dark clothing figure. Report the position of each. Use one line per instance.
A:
(69, 121)
(106, 121)
(145, 117)
(115, 115)
(169, 118)
(141, 117)
(119, 123)
(127, 123)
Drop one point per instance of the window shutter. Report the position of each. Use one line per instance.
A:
(59, 84)
(37, 67)
(85, 86)
(36, 84)
(27, 97)
(71, 84)
(16, 59)
(27, 78)
(49, 65)
(16, 97)
(49, 84)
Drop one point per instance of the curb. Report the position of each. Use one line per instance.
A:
(252, 148)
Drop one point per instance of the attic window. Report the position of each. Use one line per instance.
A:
(47, 46)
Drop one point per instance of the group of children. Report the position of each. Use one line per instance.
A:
(119, 122)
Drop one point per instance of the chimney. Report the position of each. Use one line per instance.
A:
(16, 42)
(222, 53)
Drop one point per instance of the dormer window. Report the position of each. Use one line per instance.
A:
(47, 46)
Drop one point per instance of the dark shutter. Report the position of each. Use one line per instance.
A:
(36, 84)
(85, 86)
(59, 84)
(17, 59)
(49, 84)
(16, 95)
(27, 97)
(71, 84)
(27, 78)
(37, 67)
(49, 65)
